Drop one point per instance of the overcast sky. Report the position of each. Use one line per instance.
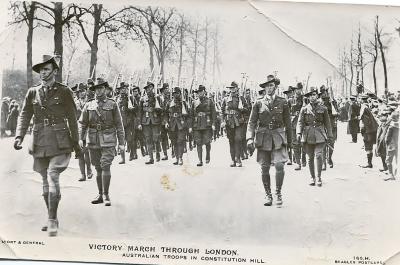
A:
(259, 37)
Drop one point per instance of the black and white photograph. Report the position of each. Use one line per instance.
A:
(199, 132)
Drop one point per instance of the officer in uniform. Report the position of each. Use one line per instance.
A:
(165, 100)
(54, 136)
(368, 129)
(122, 100)
(269, 131)
(150, 111)
(102, 123)
(314, 131)
(84, 160)
(176, 120)
(203, 117)
(233, 107)
(353, 126)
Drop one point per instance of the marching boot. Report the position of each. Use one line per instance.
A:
(279, 201)
(279, 175)
(385, 167)
(99, 180)
(165, 157)
(208, 149)
(330, 161)
(200, 155)
(369, 159)
(52, 228)
(122, 158)
(266, 180)
(176, 162)
(312, 171)
(180, 161)
(46, 200)
(319, 170)
(151, 159)
(239, 162)
(391, 173)
(107, 180)
(158, 157)
(143, 151)
(268, 198)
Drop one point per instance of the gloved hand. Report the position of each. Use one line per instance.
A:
(139, 127)
(250, 146)
(18, 143)
(77, 150)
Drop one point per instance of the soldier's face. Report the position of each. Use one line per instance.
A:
(271, 89)
(298, 92)
(201, 93)
(135, 92)
(47, 72)
(100, 91)
(313, 97)
(82, 94)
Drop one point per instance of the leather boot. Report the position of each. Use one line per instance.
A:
(369, 161)
(279, 200)
(52, 228)
(208, 149)
(385, 167)
(98, 199)
(200, 155)
(46, 201)
(238, 162)
(151, 159)
(122, 158)
(312, 171)
(266, 180)
(268, 198)
(165, 157)
(158, 157)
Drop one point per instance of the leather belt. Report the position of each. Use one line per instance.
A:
(100, 127)
(202, 114)
(272, 126)
(48, 121)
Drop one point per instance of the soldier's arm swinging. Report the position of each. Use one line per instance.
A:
(25, 116)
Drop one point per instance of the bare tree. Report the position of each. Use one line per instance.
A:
(56, 17)
(382, 48)
(205, 46)
(104, 23)
(25, 13)
(372, 49)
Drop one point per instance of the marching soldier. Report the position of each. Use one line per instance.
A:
(332, 108)
(84, 160)
(150, 112)
(102, 123)
(269, 131)
(122, 101)
(368, 129)
(246, 117)
(353, 127)
(203, 118)
(177, 121)
(392, 142)
(381, 132)
(314, 131)
(135, 120)
(233, 107)
(165, 99)
(55, 133)
(289, 97)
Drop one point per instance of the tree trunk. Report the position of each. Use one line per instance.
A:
(351, 69)
(181, 37)
(151, 45)
(30, 16)
(58, 37)
(94, 47)
(205, 52)
(195, 50)
(381, 49)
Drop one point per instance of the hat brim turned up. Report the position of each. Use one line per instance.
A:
(36, 68)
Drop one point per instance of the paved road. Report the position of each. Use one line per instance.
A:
(215, 203)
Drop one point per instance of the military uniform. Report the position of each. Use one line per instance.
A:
(368, 128)
(392, 144)
(122, 101)
(136, 135)
(233, 118)
(314, 127)
(203, 118)
(353, 127)
(151, 118)
(165, 99)
(246, 117)
(102, 123)
(84, 160)
(269, 125)
(54, 136)
(177, 119)
(297, 146)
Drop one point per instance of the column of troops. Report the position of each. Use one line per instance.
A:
(98, 124)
